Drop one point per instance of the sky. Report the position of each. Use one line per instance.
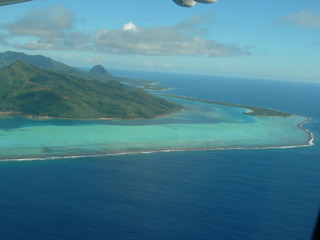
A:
(274, 39)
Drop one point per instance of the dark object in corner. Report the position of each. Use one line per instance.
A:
(316, 232)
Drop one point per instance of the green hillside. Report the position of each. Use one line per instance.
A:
(97, 72)
(30, 90)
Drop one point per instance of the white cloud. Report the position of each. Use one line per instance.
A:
(162, 40)
(303, 18)
(51, 28)
(148, 64)
(42, 22)
(69, 41)
(129, 27)
(38, 44)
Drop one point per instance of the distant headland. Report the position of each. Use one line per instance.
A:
(254, 111)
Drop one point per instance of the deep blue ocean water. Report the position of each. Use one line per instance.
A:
(265, 194)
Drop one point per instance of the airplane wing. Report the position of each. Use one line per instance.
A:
(191, 3)
(7, 2)
(182, 3)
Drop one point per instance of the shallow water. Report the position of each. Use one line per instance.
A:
(199, 126)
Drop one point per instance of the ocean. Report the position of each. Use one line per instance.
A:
(252, 194)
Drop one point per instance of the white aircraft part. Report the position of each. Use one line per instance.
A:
(185, 3)
(206, 1)
(8, 2)
(191, 3)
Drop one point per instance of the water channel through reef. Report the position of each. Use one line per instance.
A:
(201, 126)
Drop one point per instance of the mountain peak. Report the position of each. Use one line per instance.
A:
(98, 68)
(100, 71)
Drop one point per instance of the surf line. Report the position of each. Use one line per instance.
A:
(310, 134)
(310, 143)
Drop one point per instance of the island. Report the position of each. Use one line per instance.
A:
(37, 86)
(31, 91)
(51, 110)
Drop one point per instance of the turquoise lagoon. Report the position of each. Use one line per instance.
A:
(201, 126)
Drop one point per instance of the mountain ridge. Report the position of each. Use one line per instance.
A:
(8, 57)
(97, 72)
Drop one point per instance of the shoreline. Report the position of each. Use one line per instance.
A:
(48, 118)
(249, 110)
(309, 142)
(33, 117)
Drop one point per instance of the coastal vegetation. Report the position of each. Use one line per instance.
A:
(254, 111)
